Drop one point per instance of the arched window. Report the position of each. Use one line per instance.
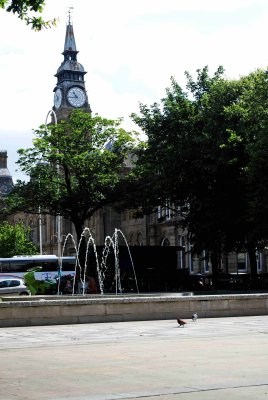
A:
(165, 242)
(130, 240)
(139, 239)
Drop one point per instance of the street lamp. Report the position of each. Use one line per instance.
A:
(40, 220)
(40, 231)
(58, 218)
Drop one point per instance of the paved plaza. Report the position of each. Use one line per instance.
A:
(216, 358)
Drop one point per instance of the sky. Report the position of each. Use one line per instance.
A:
(130, 50)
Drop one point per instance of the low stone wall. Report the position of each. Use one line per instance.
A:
(71, 310)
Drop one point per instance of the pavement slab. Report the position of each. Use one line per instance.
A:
(207, 359)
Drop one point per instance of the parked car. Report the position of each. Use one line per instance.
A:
(13, 286)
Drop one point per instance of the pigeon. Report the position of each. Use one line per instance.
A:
(194, 316)
(181, 322)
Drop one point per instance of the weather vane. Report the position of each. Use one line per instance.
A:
(69, 14)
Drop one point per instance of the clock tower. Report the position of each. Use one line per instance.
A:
(70, 92)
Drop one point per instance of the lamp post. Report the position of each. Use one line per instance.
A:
(58, 217)
(40, 221)
(40, 231)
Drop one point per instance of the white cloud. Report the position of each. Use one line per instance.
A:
(130, 50)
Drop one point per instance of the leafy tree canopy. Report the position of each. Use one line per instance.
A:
(75, 167)
(207, 156)
(30, 11)
(14, 240)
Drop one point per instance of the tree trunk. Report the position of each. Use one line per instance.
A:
(251, 248)
(214, 257)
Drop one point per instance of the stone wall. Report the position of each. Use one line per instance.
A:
(55, 311)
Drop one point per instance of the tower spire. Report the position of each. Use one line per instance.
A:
(69, 14)
(69, 44)
(70, 91)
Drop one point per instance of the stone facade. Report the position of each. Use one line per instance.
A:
(6, 182)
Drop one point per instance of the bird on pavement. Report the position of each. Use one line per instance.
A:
(194, 316)
(181, 322)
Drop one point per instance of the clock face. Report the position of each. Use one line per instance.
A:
(57, 98)
(76, 97)
(5, 188)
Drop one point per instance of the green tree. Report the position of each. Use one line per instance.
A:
(252, 112)
(30, 11)
(76, 167)
(183, 160)
(15, 240)
(202, 156)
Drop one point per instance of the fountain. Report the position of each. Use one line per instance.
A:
(110, 244)
(78, 309)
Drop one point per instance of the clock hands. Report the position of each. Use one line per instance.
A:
(76, 97)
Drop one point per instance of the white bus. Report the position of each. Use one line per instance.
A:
(18, 265)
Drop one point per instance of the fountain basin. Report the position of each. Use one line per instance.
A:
(59, 310)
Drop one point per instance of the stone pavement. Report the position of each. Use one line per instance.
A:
(215, 358)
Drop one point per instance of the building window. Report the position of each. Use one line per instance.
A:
(182, 260)
(190, 258)
(160, 216)
(130, 241)
(259, 258)
(168, 213)
(205, 262)
(163, 213)
(242, 262)
(139, 239)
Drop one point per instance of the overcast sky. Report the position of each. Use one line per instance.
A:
(130, 49)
